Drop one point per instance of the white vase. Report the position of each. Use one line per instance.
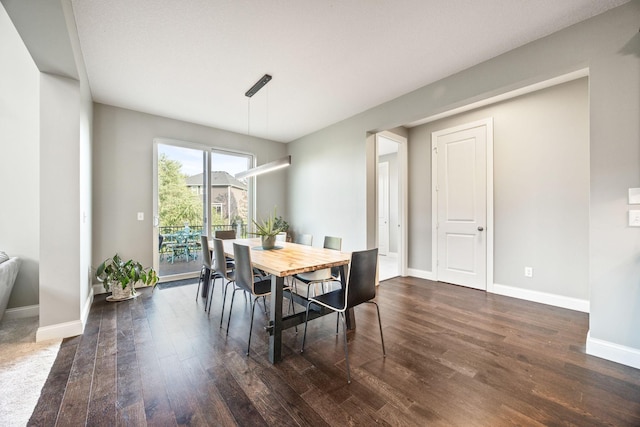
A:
(120, 294)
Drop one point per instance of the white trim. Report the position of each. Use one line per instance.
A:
(542, 297)
(98, 289)
(628, 356)
(21, 312)
(86, 308)
(403, 197)
(420, 274)
(60, 330)
(487, 123)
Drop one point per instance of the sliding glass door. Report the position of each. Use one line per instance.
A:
(231, 204)
(179, 219)
(195, 193)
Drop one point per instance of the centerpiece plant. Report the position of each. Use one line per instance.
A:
(268, 229)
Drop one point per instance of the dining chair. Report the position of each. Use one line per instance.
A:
(360, 288)
(246, 281)
(323, 276)
(304, 239)
(225, 234)
(222, 269)
(205, 271)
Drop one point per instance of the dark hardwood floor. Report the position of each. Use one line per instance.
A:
(455, 356)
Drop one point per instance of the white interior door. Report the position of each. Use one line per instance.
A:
(462, 205)
(383, 208)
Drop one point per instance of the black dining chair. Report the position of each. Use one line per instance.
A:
(222, 269)
(360, 288)
(205, 272)
(326, 275)
(225, 234)
(246, 281)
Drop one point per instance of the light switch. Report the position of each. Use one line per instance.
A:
(140, 216)
(634, 218)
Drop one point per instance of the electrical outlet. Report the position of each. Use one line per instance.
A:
(634, 218)
(528, 272)
(140, 216)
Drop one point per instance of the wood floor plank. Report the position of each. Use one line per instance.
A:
(455, 357)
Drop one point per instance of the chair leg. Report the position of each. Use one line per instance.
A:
(384, 353)
(199, 282)
(212, 286)
(253, 306)
(224, 300)
(337, 322)
(230, 309)
(306, 320)
(292, 308)
(346, 350)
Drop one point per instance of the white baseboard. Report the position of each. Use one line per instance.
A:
(86, 308)
(60, 330)
(614, 352)
(543, 297)
(21, 312)
(67, 329)
(420, 274)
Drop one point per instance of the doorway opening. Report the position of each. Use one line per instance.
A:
(391, 207)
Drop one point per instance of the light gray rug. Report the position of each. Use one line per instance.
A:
(24, 368)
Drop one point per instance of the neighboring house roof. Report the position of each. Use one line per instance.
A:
(218, 179)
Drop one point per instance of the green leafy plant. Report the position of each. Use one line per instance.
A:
(281, 224)
(115, 270)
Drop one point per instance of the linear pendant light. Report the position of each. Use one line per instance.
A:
(267, 167)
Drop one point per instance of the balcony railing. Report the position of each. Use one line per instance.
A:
(241, 229)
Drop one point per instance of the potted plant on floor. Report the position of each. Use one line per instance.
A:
(120, 276)
(267, 229)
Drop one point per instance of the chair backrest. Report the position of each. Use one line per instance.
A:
(334, 243)
(361, 286)
(220, 261)
(206, 254)
(244, 269)
(304, 239)
(225, 234)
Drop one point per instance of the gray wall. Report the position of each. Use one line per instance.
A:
(123, 176)
(609, 45)
(63, 125)
(541, 189)
(19, 161)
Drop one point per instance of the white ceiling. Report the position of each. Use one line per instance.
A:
(193, 60)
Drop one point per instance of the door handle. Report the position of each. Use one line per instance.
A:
(480, 228)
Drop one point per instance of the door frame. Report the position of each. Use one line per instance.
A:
(488, 123)
(403, 197)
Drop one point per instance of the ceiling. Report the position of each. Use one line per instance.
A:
(193, 60)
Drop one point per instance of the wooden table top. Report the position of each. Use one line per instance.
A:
(289, 258)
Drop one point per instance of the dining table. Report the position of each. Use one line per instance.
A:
(284, 260)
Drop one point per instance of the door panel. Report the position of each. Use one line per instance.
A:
(461, 199)
(383, 208)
